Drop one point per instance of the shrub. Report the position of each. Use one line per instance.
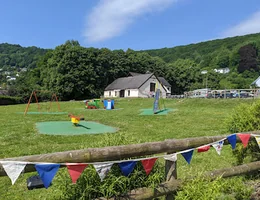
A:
(8, 100)
(89, 185)
(202, 188)
(245, 118)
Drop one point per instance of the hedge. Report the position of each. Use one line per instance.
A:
(8, 100)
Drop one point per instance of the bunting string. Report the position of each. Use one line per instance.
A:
(48, 170)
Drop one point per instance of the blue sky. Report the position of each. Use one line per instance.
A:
(122, 24)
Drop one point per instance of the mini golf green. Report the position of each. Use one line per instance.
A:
(67, 128)
(150, 111)
(43, 113)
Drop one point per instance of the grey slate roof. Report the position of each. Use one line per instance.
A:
(255, 81)
(163, 81)
(134, 74)
(131, 82)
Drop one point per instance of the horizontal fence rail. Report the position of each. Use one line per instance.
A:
(173, 185)
(117, 152)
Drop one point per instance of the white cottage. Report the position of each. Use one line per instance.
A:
(136, 85)
(256, 83)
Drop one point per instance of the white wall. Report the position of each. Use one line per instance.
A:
(257, 83)
(112, 93)
(116, 93)
(144, 90)
(133, 93)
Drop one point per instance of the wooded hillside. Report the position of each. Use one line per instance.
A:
(76, 72)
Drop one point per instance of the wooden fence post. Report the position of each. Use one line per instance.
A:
(170, 172)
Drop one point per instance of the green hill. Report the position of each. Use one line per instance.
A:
(240, 54)
(216, 53)
(16, 56)
(76, 72)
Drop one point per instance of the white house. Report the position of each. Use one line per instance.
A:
(136, 85)
(256, 83)
(222, 70)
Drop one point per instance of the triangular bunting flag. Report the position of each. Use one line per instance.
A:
(13, 169)
(171, 157)
(127, 167)
(148, 165)
(103, 169)
(257, 138)
(75, 170)
(232, 140)
(218, 146)
(203, 148)
(244, 138)
(47, 172)
(187, 155)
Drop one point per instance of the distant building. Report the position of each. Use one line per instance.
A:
(11, 79)
(222, 70)
(256, 83)
(136, 85)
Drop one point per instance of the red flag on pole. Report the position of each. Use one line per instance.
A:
(148, 165)
(75, 170)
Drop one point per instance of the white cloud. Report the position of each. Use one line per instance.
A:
(248, 26)
(111, 18)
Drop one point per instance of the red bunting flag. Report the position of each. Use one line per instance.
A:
(75, 170)
(148, 165)
(203, 148)
(244, 138)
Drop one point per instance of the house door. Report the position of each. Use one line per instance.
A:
(122, 93)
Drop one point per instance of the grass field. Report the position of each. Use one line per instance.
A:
(191, 118)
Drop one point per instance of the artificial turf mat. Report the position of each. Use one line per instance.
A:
(67, 128)
(44, 113)
(149, 111)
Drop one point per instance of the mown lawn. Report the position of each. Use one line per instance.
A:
(192, 118)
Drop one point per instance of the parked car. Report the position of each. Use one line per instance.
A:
(228, 95)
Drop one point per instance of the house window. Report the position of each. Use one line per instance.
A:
(152, 87)
(110, 93)
(128, 92)
(116, 93)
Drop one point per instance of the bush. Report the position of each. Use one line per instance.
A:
(245, 118)
(8, 100)
(201, 188)
(89, 185)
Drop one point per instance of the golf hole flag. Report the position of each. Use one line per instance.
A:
(13, 169)
(103, 169)
(75, 170)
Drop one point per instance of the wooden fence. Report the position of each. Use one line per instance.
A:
(133, 150)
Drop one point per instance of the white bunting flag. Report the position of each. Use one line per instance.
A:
(171, 157)
(257, 138)
(103, 169)
(13, 169)
(218, 146)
